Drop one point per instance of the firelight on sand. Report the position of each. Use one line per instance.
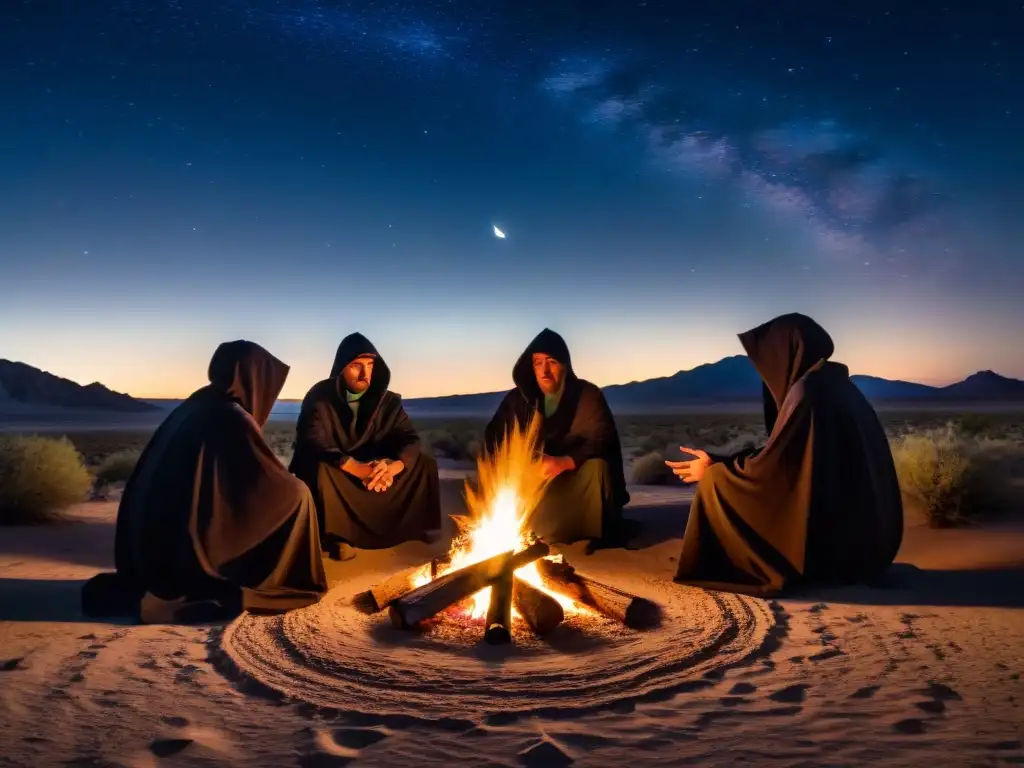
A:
(510, 484)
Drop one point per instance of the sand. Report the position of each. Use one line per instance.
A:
(924, 671)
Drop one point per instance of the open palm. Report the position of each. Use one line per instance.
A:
(690, 471)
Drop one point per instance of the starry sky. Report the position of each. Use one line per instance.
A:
(176, 173)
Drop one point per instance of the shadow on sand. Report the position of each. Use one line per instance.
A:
(659, 523)
(45, 600)
(79, 542)
(906, 584)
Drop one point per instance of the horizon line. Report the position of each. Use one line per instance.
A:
(935, 385)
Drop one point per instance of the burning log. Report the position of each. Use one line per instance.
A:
(380, 596)
(432, 598)
(540, 610)
(499, 612)
(635, 612)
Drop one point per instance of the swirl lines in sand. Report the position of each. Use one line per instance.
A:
(334, 657)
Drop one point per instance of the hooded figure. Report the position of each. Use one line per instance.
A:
(585, 500)
(343, 436)
(211, 521)
(820, 502)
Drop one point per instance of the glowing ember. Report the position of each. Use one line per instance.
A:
(511, 483)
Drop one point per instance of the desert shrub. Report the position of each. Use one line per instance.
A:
(39, 476)
(445, 444)
(654, 442)
(982, 425)
(953, 477)
(650, 469)
(117, 467)
(738, 442)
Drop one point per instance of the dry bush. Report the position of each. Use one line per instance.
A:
(117, 468)
(650, 469)
(38, 477)
(456, 439)
(95, 445)
(738, 442)
(953, 477)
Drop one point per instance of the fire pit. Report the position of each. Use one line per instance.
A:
(496, 569)
(497, 582)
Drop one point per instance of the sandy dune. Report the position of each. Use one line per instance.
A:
(925, 671)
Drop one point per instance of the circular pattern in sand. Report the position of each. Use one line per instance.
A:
(332, 656)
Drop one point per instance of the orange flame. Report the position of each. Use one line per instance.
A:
(510, 485)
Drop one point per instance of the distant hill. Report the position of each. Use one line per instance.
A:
(985, 386)
(735, 380)
(23, 385)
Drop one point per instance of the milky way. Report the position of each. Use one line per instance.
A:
(285, 169)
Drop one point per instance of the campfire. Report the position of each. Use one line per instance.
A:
(496, 568)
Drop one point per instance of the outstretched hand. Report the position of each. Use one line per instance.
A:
(693, 470)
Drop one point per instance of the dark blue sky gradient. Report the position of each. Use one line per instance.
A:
(179, 173)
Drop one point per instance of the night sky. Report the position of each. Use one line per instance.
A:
(175, 174)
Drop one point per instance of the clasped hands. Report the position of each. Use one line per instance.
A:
(377, 475)
(693, 470)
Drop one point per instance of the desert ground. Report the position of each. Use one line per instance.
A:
(925, 669)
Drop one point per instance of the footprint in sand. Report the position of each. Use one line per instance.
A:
(9, 665)
(340, 746)
(359, 738)
(544, 754)
(931, 706)
(828, 653)
(792, 694)
(174, 721)
(910, 726)
(187, 674)
(732, 701)
(168, 747)
(741, 689)
(866, 692)
(941, 692)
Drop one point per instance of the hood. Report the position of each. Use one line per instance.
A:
(550, 343)
(784, 349)
(353, 346)
(249, 375)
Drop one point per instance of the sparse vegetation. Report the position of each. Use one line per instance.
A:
(39, 476)
(116, 468)
(650, 469)
(952, 475)
(954, 465)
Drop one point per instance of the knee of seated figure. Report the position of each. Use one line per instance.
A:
(429, 462)
(594, 468)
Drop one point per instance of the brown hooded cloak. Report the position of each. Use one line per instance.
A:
(583, 428)
(327, 435)
(210, 513)
(820, 502)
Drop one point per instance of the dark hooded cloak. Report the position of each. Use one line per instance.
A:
(582, 426)
(820, 502)
(327, 435)
(210, 513)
